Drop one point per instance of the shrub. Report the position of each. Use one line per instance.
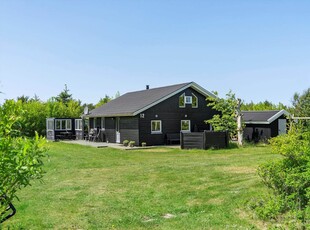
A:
(132, 143)
(289, 177)
(20, 157)
(125, 142)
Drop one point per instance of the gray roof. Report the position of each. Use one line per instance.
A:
(262, 117)
(133, 103)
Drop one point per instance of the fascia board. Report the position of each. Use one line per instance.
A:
(277, 115)
(202, 90)
(257, 122)
(111, 115)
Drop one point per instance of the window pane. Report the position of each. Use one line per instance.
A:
(188, 99)
(156, 126)
(194, 101)
(50, 124)
(58, 124)
(185, 125)
(78, 124)
(181, 101)
(68, 126)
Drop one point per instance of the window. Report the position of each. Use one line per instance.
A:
(68, 124)
(194, 101)
(185, 125)
(182, 101)
(78, 124)
(50, 124)
(191, 100)
(188, 99)
(63, 124)
(156, 126)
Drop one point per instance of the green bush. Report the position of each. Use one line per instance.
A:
(132, 143)
(289, 177)
(125, 142)
(20, 157)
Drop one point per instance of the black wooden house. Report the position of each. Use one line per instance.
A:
(155, 116)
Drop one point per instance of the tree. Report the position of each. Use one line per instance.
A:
(118, 94)
(103, 101)
(301, 108)
(23, 98)
(301, 104)
(265, 105)
(20, 157)
(64, 96)
(226, 119)
(55, 108)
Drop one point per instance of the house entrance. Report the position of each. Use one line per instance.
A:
(118, 134)
(282, 126)
(50, 129)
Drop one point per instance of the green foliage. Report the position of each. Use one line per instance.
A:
(265, 105)
(289, 178)
(103, 101)
(33, 119)
(20, 157)
(301, 107)
(131, 143)
(64, 96)
(226, 120)
(125, 142)
(301, 104)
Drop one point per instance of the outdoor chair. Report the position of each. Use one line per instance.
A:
(92, 135)
(97, 136)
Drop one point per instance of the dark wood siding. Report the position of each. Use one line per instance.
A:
(171, 115)
(129, 129)
(204, 140)
(110, 132)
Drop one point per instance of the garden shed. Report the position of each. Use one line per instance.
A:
(262, 125)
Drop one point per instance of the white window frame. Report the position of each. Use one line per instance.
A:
(64, 124)
(188, 100)
(193, 95)
(189, 125)
(78, 124)
(50, 124)
(160, 127)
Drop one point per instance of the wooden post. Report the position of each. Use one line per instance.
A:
(182, 140)
(239, 123)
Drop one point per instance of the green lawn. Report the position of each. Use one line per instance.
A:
(161, 188)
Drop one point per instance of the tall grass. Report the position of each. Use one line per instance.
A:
(160, 188)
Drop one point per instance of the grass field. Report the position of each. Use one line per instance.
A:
(161, 188)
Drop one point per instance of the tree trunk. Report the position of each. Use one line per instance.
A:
(239, 123)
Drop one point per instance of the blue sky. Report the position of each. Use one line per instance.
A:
(258, 49)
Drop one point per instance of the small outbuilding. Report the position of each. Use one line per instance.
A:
(262, 125)
(64, 128)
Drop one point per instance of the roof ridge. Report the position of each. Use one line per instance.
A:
(161, 87)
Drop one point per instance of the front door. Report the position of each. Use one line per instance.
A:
(50, 129)
(282, 126)
(118, 134)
